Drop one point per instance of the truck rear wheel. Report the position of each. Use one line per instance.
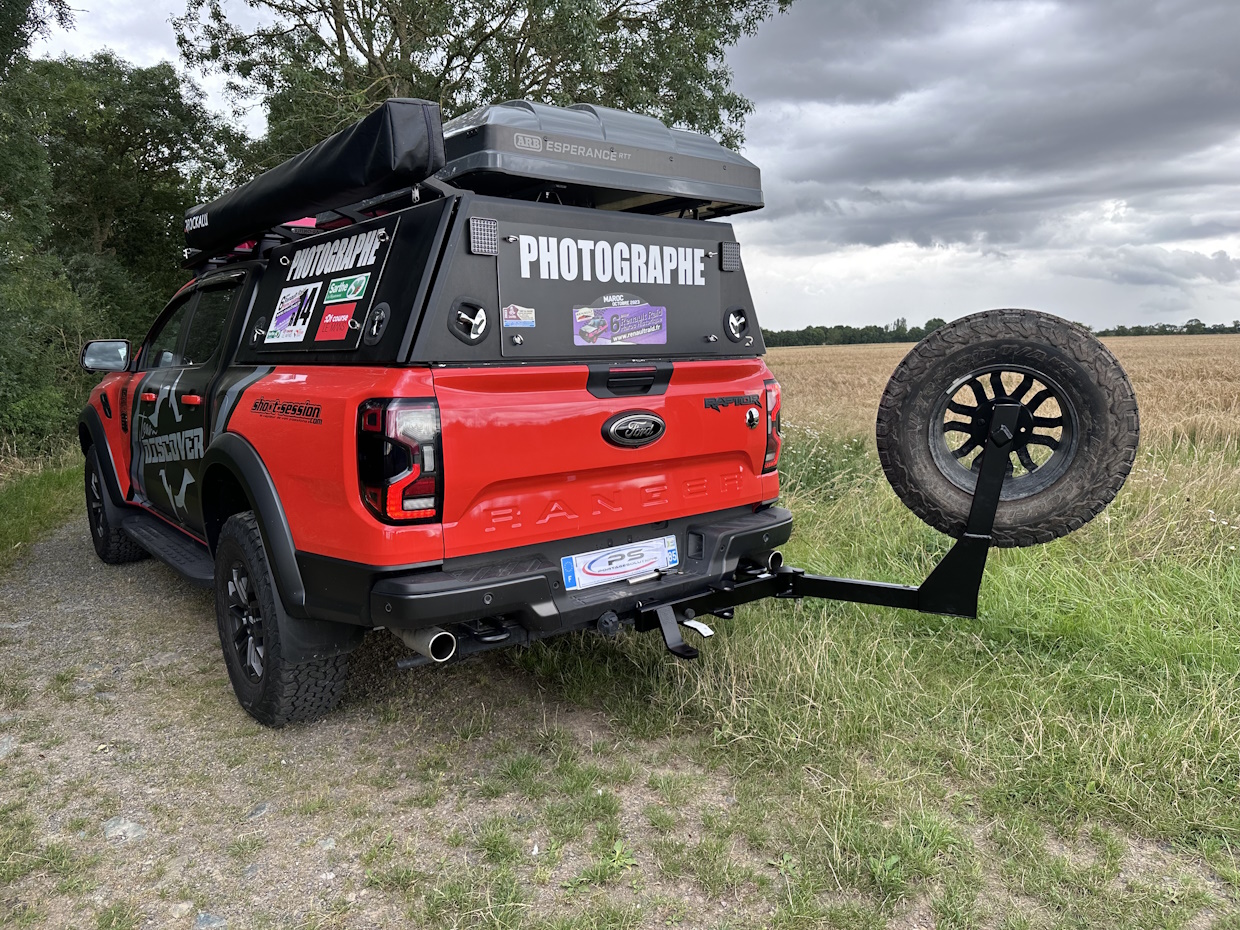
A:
(1076, 435)
(272, 690)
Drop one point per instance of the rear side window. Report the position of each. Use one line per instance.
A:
(206, 328)
(165, 339)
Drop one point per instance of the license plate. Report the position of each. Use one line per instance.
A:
(619, 562)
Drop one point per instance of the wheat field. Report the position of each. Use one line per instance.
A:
(1188, 386)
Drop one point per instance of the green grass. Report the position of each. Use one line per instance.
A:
(895, 755)
(33, 504)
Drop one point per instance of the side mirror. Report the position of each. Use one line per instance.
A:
(105, 355)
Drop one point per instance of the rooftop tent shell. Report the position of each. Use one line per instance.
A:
(596, 156)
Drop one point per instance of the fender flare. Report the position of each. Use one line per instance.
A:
(242, 461)
(91, 434)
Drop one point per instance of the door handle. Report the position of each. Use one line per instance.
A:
(191, 400)
(150, 396)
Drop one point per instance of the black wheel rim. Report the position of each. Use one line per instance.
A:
(1046, 430)
(245, 622)
(94, 503)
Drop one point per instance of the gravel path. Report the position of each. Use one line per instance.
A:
(134, 792)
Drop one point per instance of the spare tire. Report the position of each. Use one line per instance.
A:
(1076, 434)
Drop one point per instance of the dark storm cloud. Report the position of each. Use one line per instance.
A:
(1000, 124)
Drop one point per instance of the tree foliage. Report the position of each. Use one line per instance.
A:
(322, 64)
(98, 162)
(22, 20)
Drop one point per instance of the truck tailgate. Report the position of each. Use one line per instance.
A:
(525, 457)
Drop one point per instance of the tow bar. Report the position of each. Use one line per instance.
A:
(950, 589)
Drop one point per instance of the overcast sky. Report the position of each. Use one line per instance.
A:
(934, 157)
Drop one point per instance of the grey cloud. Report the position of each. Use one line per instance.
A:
(1144, 265)
(996, 123)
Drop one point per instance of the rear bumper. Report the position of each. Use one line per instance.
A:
(530, 588)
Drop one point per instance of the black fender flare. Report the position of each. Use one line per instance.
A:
(91, 433)
(234, 454)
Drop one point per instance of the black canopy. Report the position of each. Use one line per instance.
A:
(399, 144)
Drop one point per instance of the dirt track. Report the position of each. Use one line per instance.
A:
(450, 796)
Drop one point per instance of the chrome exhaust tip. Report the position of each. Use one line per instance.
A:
(774, 561)
(436, 643)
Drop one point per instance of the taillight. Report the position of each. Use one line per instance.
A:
(774, 438)
(398, 460)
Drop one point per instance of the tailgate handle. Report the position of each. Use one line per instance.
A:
(629, 380)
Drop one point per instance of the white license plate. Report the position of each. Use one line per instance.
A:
(619, 562)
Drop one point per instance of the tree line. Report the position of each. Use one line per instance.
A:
(899, 331)
(1191, 328)
(100, 159)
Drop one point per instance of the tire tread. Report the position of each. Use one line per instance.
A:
(1117, 454)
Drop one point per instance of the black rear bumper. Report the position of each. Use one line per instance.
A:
(530, 589)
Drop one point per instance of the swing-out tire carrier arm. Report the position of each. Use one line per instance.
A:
(950, 589)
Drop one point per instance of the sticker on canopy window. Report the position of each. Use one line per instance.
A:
(603, 566)
(351, 288)
(336, 322)
(619, 320)
(516, 315)
(293, 312)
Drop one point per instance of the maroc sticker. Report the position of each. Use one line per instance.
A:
(293, 312)
(335, 323)
(350, 288)
(515, 315)
(619, 319)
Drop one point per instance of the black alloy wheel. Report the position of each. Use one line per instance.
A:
(1047, 428)
(246, 620)
(94, 504)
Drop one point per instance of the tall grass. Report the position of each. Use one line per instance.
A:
(1099, 688)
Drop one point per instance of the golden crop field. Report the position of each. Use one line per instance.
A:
(1187, 386)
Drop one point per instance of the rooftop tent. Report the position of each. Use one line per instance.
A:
(596, 156)
(399, 144)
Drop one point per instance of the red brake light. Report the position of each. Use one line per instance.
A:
(774, 437)
(398, 460)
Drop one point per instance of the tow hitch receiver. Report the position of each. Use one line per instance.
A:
(950, 589)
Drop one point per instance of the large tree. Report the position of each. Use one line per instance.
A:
(320, 64)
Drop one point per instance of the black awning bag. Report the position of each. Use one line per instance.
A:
(399, 144)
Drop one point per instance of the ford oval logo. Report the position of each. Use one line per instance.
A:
(637, 428)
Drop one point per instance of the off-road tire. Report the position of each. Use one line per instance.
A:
(283, 692)
(111, 543)
(1095, 389)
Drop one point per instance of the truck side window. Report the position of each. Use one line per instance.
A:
(206, 329)
(165, 339)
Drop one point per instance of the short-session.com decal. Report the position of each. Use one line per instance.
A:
(301, 411)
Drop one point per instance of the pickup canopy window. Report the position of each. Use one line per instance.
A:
(206, 327)
(163, 345)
